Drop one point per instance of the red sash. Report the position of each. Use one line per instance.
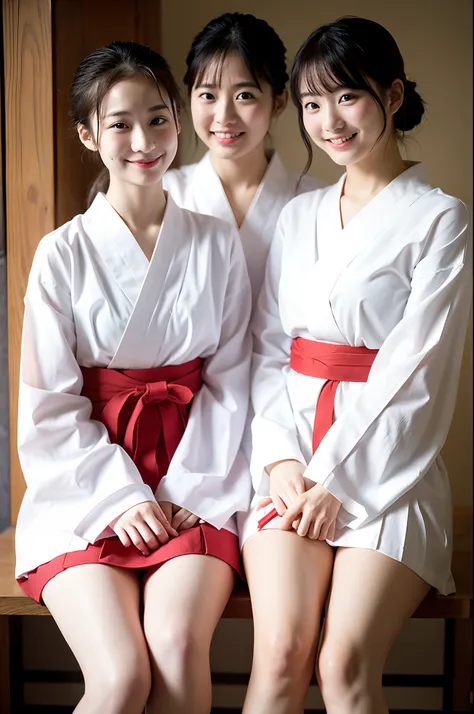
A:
(144, 410)
(335, 364)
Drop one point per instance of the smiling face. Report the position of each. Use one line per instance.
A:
(137, 134)
(232, 117)
(346, 123)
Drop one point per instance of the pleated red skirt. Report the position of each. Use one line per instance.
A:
(145, 411)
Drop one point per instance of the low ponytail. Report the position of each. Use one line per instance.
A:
(99, 185)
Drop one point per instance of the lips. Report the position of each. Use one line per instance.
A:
(145, 163)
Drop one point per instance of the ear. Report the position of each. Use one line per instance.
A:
(279, 104)
(395, 96)
(86, 138)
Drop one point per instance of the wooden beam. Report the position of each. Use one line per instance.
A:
(29, 175)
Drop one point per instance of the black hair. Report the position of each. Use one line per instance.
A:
(351, 52)
(101, 70)
(253, 40)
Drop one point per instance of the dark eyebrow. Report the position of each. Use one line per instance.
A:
(239, 85)
(303, 95)
(156, 108)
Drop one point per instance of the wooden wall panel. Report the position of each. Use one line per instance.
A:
(29, 173)
(79, 26)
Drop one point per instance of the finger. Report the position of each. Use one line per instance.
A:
(305, 525)
(263, 503)
(148, 537)
(159, 517)
(189, 522)
(280, 505)
(292, 513)
(137, 540)
(180, 516)
(314, 530)
(295, 524)
(300, 487)
(331, 532)
(123, 537)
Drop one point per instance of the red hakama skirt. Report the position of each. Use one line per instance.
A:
(146, 412)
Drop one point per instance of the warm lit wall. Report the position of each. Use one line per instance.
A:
(435, 38)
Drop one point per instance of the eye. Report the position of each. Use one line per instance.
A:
(311, 106)
(158, 121)
(347, 97)
(207, 96)
(119, 125)
(245, 96)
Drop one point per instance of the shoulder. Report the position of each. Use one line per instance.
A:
(207, 228)
(309, 183)
(53, 258)
(303, 204)
(175, 179)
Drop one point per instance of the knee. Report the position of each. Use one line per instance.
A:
(122, 687)
(342, 672)
(176, 645)
(284, 656)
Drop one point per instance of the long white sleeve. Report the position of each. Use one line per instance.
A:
(68, 462)
(381, 445)
(200, 476)
(274, 434)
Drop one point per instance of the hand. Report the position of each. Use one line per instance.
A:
(286, 484)
(167, 508)
(183, 519)
(145, 525)
(313, 514)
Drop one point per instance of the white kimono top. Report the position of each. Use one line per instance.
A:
(199, 188)
(398, 279)
(94, 300)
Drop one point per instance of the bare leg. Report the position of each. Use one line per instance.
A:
(184, 601)
(371, 598)
(96, 608)
(288, 579)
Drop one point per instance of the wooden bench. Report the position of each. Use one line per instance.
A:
(456, 610)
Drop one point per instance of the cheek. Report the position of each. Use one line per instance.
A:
(311, 124)
(200, 115)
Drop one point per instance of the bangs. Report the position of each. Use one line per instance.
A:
(323, 69)
(208, 66)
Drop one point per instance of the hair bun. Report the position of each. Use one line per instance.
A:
(411, 112)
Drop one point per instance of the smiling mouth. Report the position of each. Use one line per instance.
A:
(144, 161)
(226, 134)
(341, 140)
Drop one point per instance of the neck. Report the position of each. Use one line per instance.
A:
(368, 177)
(245, 172)
(141, 207)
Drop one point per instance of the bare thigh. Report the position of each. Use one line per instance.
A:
(371, 598)
(288, 578)
(185, 599)
(96, 607)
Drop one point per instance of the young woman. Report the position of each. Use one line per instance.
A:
(359, 334)
(133, 399)
(236, 77)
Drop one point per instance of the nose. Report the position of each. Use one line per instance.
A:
(142, 141)
(332, 120)
(225, 112)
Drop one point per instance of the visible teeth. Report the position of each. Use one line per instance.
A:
(341, 141)
(221, 135)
